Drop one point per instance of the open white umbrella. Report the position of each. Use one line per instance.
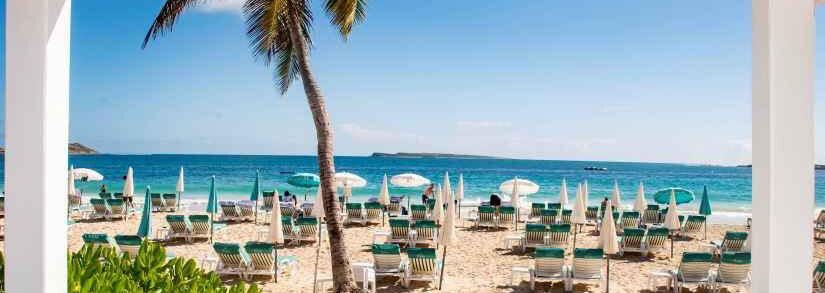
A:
(438, 208)
(409, 180)
(672, 219)
(617, 196)
(640, 205)
(579, 213)
(608, 240)
(86, 174)
(343, 179)
(563, 194)
(129, 185)
(179, 188)
(318, 206)
(447, 233)
(276, 228)
(525, 187)
(71, 189)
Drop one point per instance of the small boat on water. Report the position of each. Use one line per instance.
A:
(287, 172)
(595, 169)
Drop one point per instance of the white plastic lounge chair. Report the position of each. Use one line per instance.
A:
(651, 215)
(694, 226)
(549, 265)
(422, 265)
(694, 269)
(200, 227)
(233, 260)
(264, 260)
(548, 216)
(246, 210)
(425, 232)
(229, 211)
(170, 201)
(388, 261)
(179, 228)
(819, 277)
(535, 236)
(558, 236)
(588, 264)
(733, 242)
(157, 202)
(307, 229)
(291, 231)
(656, 239)
(355, 213)
(486, 217)
(129, 244)
(100, 209)
(629, 220)
(95, 240)
(418, 212)
(287, 209)
(592, 215)
(117, 209)
(633, 241)
(374, 211)
(734, 270)
(566, 217)
(506, 217)
(399, 231)
(535, 209)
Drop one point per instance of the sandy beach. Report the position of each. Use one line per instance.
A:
(481, 264)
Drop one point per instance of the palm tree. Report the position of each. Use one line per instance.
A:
(279, 33)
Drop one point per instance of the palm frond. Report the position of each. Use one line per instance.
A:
(268, 28)
(166, 18)
(345, 14)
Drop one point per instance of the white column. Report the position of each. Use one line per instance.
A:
(37, 128)
(783, 145)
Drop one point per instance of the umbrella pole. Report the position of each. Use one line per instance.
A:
(443, 262)
(607, 286)
(256, 211)
(317, 252)
(211, 226)
(459, 213)
(706, 229)
(574, 236)
(671, 245)
(177, 209)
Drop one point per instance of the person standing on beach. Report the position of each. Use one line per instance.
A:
(427, 193)
(103, 188)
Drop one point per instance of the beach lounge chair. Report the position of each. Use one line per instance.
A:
(629, 220)
(430, 204)
(535, 236)
(355, 213)
(566, 217)
(287, 209)
(632, 240)
(506, 216)
(264, 260)
(819, 225)
(819, 277)
(734, 270)
(246, 210)
(74, 204)
(554, 206)
(388, 261)
(157, 202)
(100, 209)
(269, 197)
(592, 215)
(117, 209)
(425, 232)
(117, 195)
(200, 227)
(733, 242)
(95, 240)
(535, 209)
(548, 216)
(179, 228)
(418, 212)
(307, 208)
(656, 239)
(486, 217)
(374, 211)
(421, 266)
(289, 229)
(399, 231)
(233, 260)
(170, 201)
(106, 195)
(559, 236)
(307, 229)
(651, 215)
(694, 269)
(394, 208)
(229, 211)
(693, 225)
(587, 266)
(549, 265)
(129, 244)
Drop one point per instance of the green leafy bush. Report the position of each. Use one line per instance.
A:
(101, 269)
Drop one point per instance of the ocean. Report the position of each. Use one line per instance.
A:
(729, 187)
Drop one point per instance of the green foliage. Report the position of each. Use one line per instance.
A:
(102, 269)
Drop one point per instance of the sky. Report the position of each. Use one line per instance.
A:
(645, 81)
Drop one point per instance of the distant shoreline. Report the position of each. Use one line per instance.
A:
(430, 156)
(816, 166)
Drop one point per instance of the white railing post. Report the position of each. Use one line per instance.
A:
(783, 145)
(36, 159)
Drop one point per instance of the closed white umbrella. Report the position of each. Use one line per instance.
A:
(447, 233)
(384, 196)
(438, 208)
(459, 193)
(586, 192)
(129, 185)
(617, 196)
(179, 187)
(672, 219)
(86, 174)
(71, 189)
(343, 179)
(447, 191)
(276, 228)
(608, 240)
(515, 200)
(563, 194)
(409, 180)
(640, 205)
(318, 206)
(579, 213)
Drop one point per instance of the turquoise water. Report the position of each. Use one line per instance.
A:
(730, 187)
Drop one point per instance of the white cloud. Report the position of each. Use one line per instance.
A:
(360, 132)
(221, 6)
(741, 151)
(482, 125)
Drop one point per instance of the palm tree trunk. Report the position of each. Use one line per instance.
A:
(343, 280)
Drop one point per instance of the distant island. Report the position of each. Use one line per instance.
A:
(74, 149)
(816, 166)
(430, 156)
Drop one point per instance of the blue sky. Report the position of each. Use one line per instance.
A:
(654, 81)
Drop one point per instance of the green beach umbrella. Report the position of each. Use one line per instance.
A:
(256, 192)
(704, 208)
(682, 195)
(146, 219)
(212, 207)
(304, 180)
